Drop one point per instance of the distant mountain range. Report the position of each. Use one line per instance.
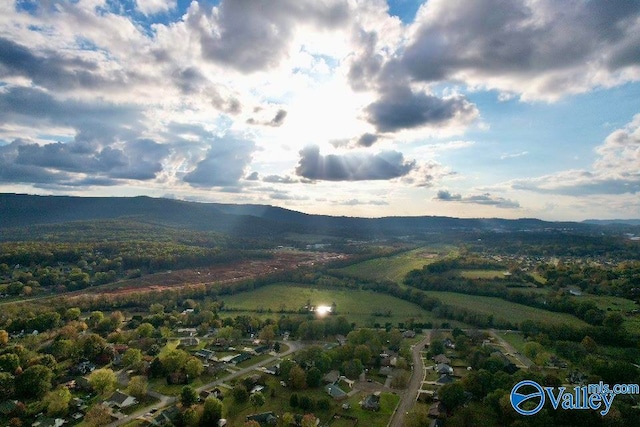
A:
(19, 210)
(635, 222)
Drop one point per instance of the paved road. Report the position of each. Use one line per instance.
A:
(408, 397)
(525, 362)
(169, 400)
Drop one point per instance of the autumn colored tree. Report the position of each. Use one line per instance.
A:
(297, 378)
(98, 415)
(138, 386)
(103, 380)
(57, 401)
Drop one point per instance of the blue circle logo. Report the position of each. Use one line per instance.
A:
(518, 399)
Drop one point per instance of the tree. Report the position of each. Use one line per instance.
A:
(305, 403)
(35, 381)
(98, 415)
(589, 344)
(613, 321)
(103, 380)
(212, 412)
(72, 313)
(193, 367)
(57, 401)
(9, 362)
(452, 395)
(4, 337)
(314, 376)
(138, 386)
(309, 420)
(297, 378)
(257, 400)
(145, 330)
(267, 334)
(240, 394)
(156, 308)
(191, 418)
(400, 380)
(362, 352)
(294, 400)
(188, 396)
(288, 419)
(92, 346)
(174, 360)
(132, 357)
(7, 385)
(352, 368)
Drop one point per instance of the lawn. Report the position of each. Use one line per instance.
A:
(360, 306)
(506, 310)
(516, 339)
(160, 384)
(394, 267)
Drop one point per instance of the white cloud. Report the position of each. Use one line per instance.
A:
(616, 170)
(152, 7)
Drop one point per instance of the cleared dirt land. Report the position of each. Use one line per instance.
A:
(227, 273)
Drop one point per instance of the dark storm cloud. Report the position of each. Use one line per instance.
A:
(495, 38)
(353, 166)
(401, 108)
(96, 120)
(60, 163)
(279, 118)
(367, 140)
(485, 199)
(224, 164)
(251, 36)
(51, 69)
(367, 63)
(445, 195)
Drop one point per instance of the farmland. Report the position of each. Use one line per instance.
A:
(392, 268)
(506, 310)
(363, 307)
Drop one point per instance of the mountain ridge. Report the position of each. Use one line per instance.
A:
(21, 210)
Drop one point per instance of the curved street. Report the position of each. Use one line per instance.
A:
(408, 397)
(169, 400)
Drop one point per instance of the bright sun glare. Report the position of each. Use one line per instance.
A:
(323, 310)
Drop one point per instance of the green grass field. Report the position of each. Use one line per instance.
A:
(363, 307)
(616, 304)
(392, 268)
(483, 274)
(505, 310)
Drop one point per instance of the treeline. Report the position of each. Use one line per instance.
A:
(585, 310)
(26, 267)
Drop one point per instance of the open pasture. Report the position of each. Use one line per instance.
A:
(362, 307)
(504, 309)
(393, 267)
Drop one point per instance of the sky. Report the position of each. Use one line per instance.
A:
(490, 108)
